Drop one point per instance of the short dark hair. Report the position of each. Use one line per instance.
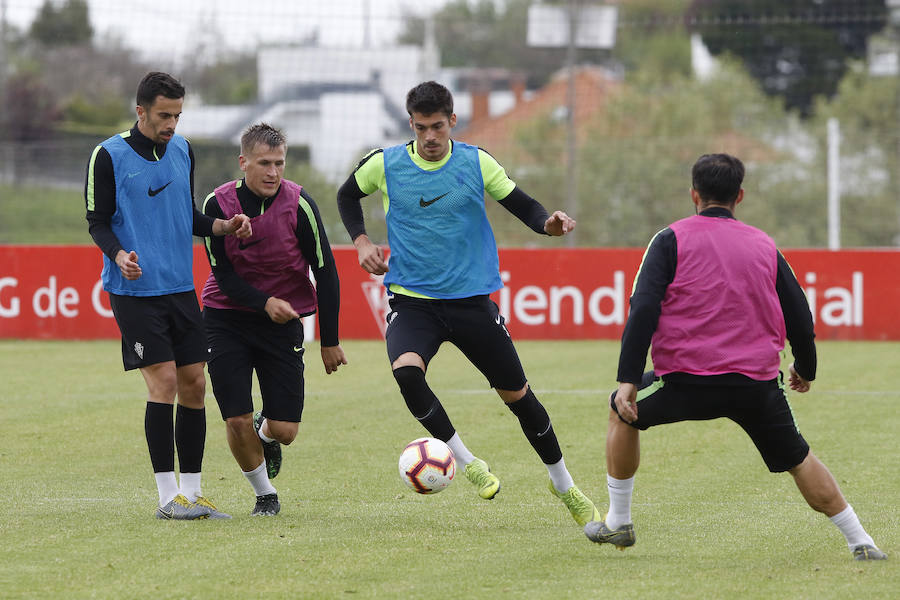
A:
(156, 83)
(261, 133)
(718, 178)
(428, 98)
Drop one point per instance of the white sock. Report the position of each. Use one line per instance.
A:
(460, 452)
(853, 531)
(263, 436)
(259, 479)
(560, 476)
(619, 501)
(190, 486)
(166, 486)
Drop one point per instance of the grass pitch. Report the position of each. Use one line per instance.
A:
(77, 494)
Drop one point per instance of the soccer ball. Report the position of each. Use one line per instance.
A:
(427, 465)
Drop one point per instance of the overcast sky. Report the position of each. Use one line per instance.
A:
(168, 29)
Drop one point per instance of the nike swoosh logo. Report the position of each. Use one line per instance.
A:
(296, 349)
(151, 192)
(424, 202)
(244, 245)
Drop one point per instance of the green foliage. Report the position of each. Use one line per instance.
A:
(65, 25)
(231, 80)
(30, 109)
(78, 497)
(863, 106)
(109, 111)
(796, 49)
(635, 158)
(323, 192)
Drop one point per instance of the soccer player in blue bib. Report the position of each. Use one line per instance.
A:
(139, 198)
(443, 266)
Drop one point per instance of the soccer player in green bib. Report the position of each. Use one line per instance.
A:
(443, 266)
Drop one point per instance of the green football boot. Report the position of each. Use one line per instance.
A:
(481, 477)
(580, 506)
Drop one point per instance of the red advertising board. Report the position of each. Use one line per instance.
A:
(54, 292)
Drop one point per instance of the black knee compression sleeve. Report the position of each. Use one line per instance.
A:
(536, 425)
(422, 402)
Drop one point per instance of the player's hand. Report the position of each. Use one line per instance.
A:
(626, 402)
(371, 257)
(797, 383)
(128, 265)
(332, 358)
(280, 311)
(559, 223)
(239, 226)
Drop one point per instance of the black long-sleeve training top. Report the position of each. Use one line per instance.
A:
(658, 271)
(100, 192)
(327, 282)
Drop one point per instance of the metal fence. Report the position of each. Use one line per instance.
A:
(606, 129)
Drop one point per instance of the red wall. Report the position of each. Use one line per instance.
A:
(53, 292)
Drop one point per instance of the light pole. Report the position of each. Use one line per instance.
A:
(894, 23)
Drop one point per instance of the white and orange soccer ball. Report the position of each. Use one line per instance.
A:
(427, 465)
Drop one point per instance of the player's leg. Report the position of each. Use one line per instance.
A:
(770, 424)
(190, 350)
(231, 374)
(278, 356)
(479, 331)
(415, 330)
(623, 456)
(822, 493)
(147, 345)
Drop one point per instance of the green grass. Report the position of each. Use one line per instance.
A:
(77, 493)
(38, 215)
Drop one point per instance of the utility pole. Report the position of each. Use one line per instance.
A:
(571, 142)
(575, 24)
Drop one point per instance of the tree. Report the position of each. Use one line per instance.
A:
(31, 110)
(866, 109)
(636, 154)
(230, 80)
(64, 26)
(796, 49)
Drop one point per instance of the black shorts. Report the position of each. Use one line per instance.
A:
(762, 410)
(157, 329)
(241, 341)
(474, 325)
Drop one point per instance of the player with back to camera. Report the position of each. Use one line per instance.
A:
(443, 266)
(253, 300)
(715, 299)
(139, 197)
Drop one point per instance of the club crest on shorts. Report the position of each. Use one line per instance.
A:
(139, 349)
